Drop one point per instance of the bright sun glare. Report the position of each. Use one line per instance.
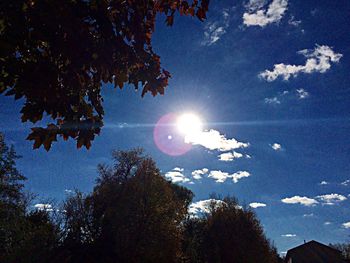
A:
(189, 124)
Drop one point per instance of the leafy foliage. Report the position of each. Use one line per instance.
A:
(57, 54)
(133, 215)
(344, 248)
(21, 233)
(228, 233)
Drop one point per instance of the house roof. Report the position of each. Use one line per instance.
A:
(314, 252)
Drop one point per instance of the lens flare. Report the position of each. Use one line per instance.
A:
(167, 138)
(189, 124)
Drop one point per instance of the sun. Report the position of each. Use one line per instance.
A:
(189, 124)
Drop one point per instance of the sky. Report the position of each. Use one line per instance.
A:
(270, 81)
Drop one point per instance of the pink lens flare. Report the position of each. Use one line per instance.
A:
(167, 138)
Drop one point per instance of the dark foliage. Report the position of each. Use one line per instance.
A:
(24, 237)
(344, 248)
(132, 215)
(229, 234)
(57, 54)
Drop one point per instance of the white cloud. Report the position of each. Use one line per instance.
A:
(323, 183)
(273, 100)
(215, 30)
(197, 174)
(257, 205)
(178, 169)
(203, 206)
(331, 199)
(327, 223)
(346, 183)
(303, 200)
(230, 156)
(258, 14)
(346, 225)
(294, 22)
(43, 207)
(176, 177)
(308, 215)
(276, 146)
(213, 140)
(302, 94)
(68, 191)
(318, 60)
(221, 177)
(289, 235)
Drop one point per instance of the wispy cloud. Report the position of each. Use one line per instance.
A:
(276, 146)
(197, 174)
(221, 177)
(308, 215)
(294, 22)
(259, 14)
(331, 199)
(327, 223)
(289, 235)
(346, 225)
(318, 60)
(257, 205)
(273, 100)
(176, 176)
(323, 183)
(229, 156)
(302, 94)
(345, 183)
(303, 200)
(281, 97)
(215, 30)
(213, 140)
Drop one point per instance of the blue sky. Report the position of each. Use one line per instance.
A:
(270, 80)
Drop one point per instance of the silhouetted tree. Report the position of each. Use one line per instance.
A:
(57, 54)
(229, 234)
(24, 236)
(133, 215)
(344, 248)
(12, 208)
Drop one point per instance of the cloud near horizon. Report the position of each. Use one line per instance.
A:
(257, 205)
(318, 60)
(203, 206)
(303, 200)
(327, 199)
(258, 14)
(176, 176)
(289, 235)
(43, 207)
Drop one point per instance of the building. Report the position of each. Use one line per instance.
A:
(314, 252)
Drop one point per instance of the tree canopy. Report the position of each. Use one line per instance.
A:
(57, 54)
(132, 215)
(22, 232)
